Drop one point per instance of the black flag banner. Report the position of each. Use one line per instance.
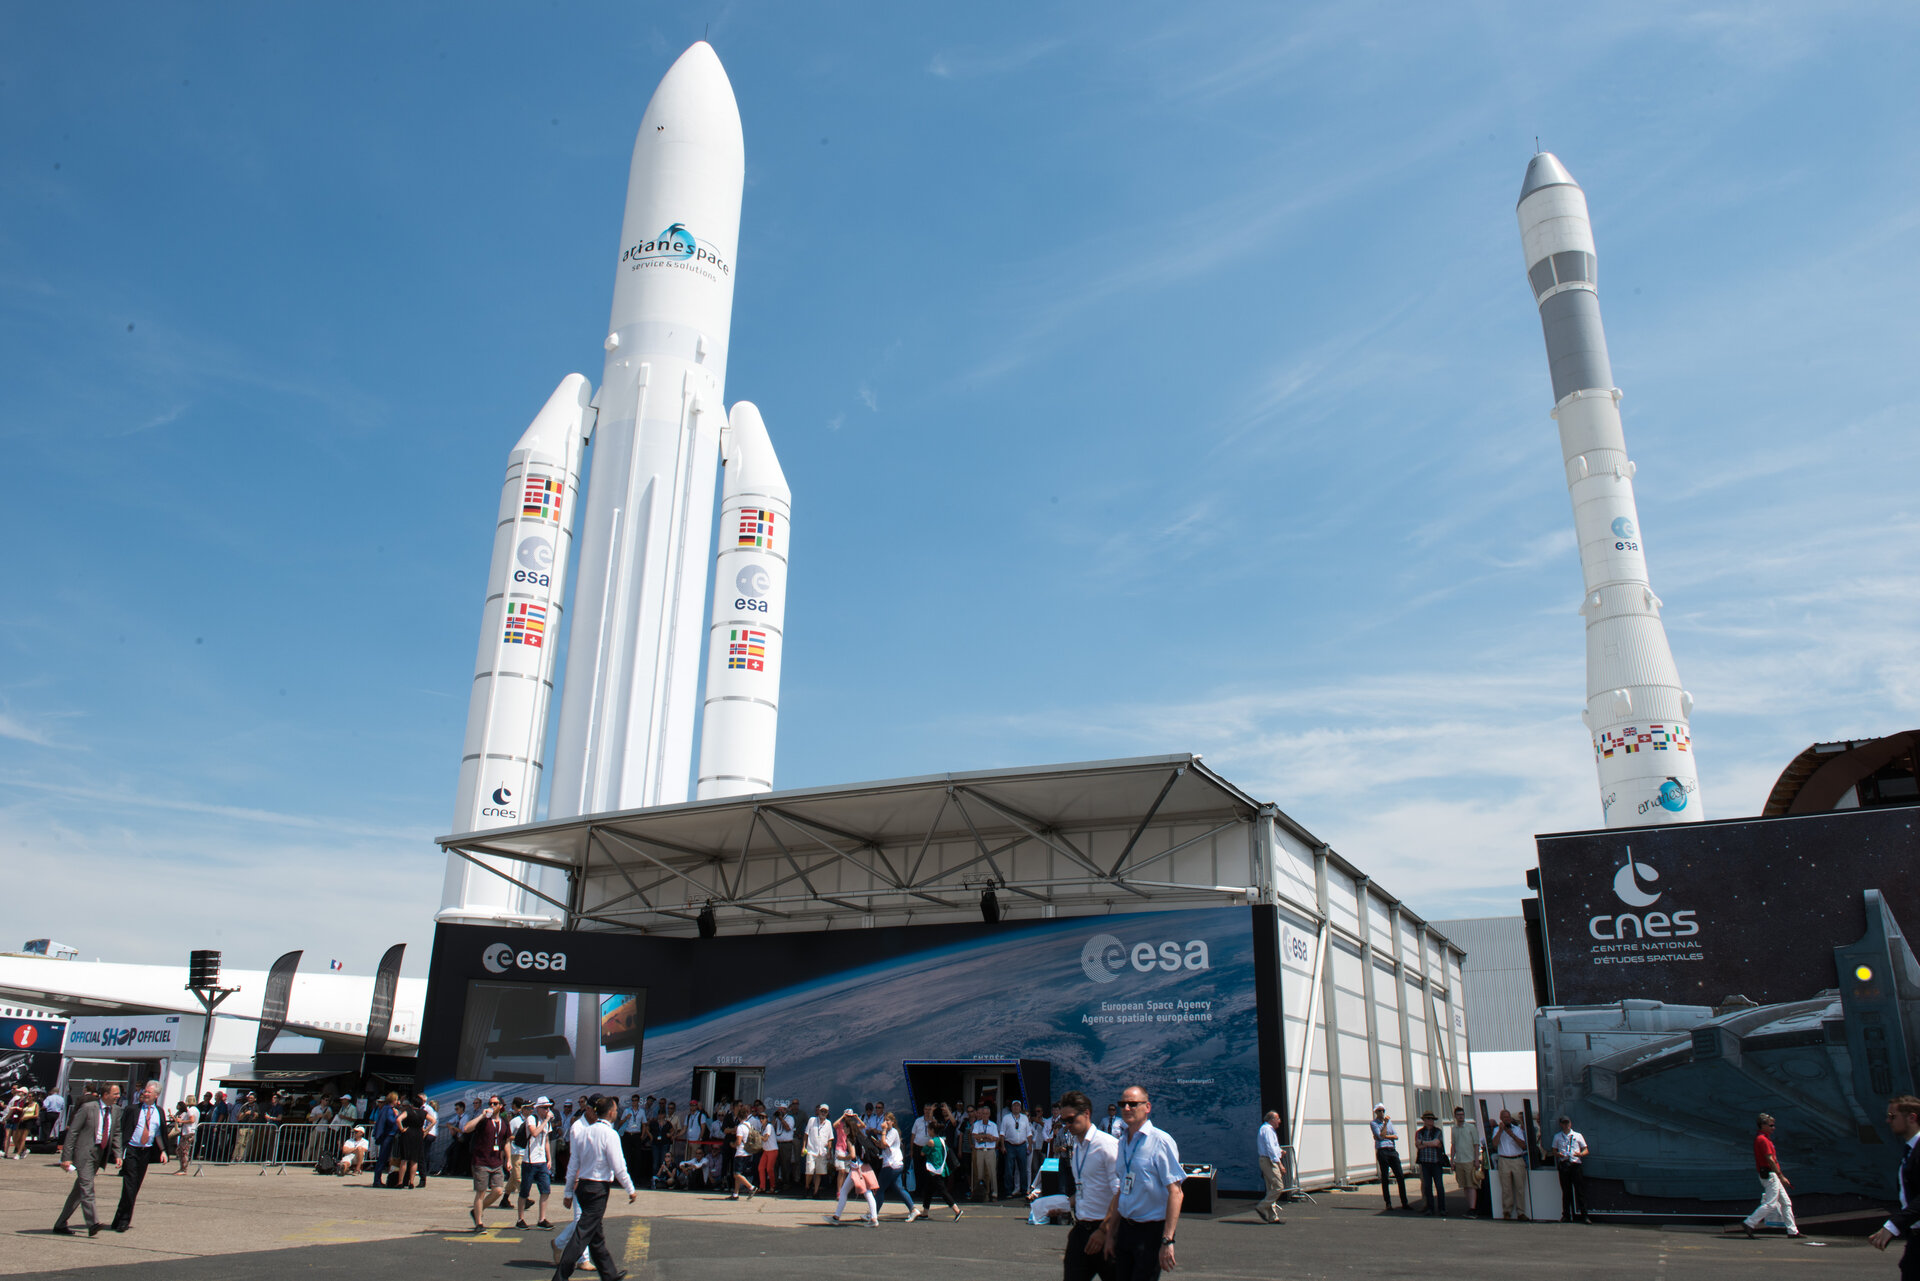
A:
(273, 1004)
(386, 983)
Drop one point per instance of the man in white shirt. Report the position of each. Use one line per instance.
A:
(986, 1154)
(1903, 1118)
(1116, 1124)
(1016, 1148)
(56, 1110)
(1273, 1167)
(819, 1149)
(785, 1141)
(1510, 1151)
(595, 1165)
(1569, 1158)
(920, 1134)
(1094, 1163)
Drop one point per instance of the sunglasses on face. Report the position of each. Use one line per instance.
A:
(1142, 1103)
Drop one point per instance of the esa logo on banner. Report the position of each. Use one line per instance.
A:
(500, 957)
(1105, 958)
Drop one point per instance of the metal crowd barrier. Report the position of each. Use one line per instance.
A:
(262, 1143)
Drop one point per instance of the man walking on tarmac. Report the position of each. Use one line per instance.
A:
(1146, 1211)
(1773, 1183)
(1096, 1181)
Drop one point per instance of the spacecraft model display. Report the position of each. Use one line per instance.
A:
(1636, 710)
(630, 705)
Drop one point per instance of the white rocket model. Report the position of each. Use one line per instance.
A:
(628, 706)
(513, 675)
(745, 638)
(658, 426)
(1636, 710)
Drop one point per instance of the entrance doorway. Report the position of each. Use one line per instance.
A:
(713, 1085)
(996, 1082)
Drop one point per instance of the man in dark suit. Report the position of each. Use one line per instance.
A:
(143, 1142)
(93, 1137)
(1903, 1118)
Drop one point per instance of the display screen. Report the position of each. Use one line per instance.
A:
(537, 1032)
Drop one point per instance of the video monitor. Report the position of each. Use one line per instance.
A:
(541, 1032)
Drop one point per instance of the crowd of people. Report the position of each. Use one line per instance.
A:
(1118, 1180)
(750, 1148)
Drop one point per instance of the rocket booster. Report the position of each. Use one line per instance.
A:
(630, 699)
(513, 675)
(747, 636)
(1636, 711)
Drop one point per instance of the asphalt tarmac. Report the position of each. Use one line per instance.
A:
(236, 1224)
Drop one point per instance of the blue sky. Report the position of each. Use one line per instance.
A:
(1148, 380)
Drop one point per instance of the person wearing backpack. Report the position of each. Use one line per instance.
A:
(746, 1151)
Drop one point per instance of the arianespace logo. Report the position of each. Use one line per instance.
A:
(1635, 886)
(1671, 797)
(675, 244)
(501, 957)
(1105, 958)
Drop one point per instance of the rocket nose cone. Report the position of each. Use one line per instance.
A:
(695, 94)
(1545, 170)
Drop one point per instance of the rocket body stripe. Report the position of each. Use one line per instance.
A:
(746, 639)
(627, 715)
(513, 674)
(1636, 710)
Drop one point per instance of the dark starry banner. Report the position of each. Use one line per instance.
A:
(1695, 913)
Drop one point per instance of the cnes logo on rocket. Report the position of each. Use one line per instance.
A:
(1105, 958)
(1631, 886)
(499, 958)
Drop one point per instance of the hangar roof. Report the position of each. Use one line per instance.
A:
(1120, 835)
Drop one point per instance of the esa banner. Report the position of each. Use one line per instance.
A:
(1163, 1000)
(1699, 912)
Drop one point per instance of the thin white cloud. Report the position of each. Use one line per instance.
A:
(154, 799)
(165, 419)
(973, 63)
(18, 730)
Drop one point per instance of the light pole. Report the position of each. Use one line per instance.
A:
(203, 980)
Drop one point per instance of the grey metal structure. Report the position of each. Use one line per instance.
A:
(1499, 979)
(1371, 995)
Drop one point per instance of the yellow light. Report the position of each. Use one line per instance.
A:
(1863, 974)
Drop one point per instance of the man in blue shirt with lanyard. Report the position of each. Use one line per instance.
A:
(1141, 1222)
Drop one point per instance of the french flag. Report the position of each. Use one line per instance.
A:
(335, 965)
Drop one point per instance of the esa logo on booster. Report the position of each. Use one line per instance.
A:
(500, 957)
(1105, 958)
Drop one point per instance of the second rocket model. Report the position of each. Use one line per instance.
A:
(1636, 711)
